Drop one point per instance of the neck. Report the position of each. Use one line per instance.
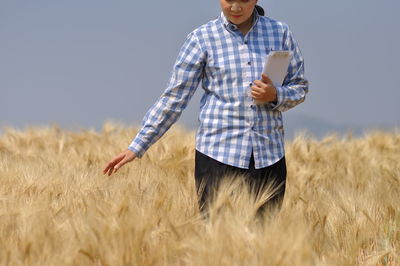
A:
(246, 26)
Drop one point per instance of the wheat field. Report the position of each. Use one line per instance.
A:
(341, 205)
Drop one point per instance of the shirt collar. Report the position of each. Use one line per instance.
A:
(232, 27)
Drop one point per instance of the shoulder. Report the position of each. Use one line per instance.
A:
(273, 24)
(206, 30)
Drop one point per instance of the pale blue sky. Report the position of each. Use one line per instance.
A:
(80, 63)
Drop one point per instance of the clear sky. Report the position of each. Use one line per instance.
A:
(79, 63)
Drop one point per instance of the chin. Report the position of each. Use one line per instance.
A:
(236, 21)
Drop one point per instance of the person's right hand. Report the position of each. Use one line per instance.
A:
(118, 161)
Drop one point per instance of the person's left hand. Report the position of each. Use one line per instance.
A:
(263, 90)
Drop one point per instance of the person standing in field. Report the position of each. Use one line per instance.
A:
(235, 135)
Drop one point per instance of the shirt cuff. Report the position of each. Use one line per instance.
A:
(280, 95)
(138, 147)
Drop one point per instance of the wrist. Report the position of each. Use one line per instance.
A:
(274, 95)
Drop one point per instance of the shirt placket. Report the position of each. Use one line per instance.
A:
(247, 81)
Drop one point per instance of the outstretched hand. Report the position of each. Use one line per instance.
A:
(263, 90)
(118, 161)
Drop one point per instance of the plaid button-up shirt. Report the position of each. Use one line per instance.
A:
(226, 63)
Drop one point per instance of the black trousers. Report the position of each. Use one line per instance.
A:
(208, 173)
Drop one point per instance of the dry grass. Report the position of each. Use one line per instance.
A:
(56, 208)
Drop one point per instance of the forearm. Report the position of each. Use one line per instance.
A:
(290, 95)
(185, 78)
(295, 86)
(156, 122)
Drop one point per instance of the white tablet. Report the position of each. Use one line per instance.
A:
(276, 66)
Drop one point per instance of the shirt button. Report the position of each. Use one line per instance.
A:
(245, 42)
(253, 106)
(249, 63)
(251, 84)
(253, 128)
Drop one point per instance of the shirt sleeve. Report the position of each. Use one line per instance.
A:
(185, 78)
(295, 86)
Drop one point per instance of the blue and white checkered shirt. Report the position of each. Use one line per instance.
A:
(231, 126)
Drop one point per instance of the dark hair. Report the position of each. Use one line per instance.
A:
(260, 10)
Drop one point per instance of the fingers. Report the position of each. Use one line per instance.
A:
(258, 88)
(256, 96)
(266, 79)
(110, 166)
(262, 92)
(259, 84)
(256, 92)
(108, 170)
(121, 163)
(118, 162)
